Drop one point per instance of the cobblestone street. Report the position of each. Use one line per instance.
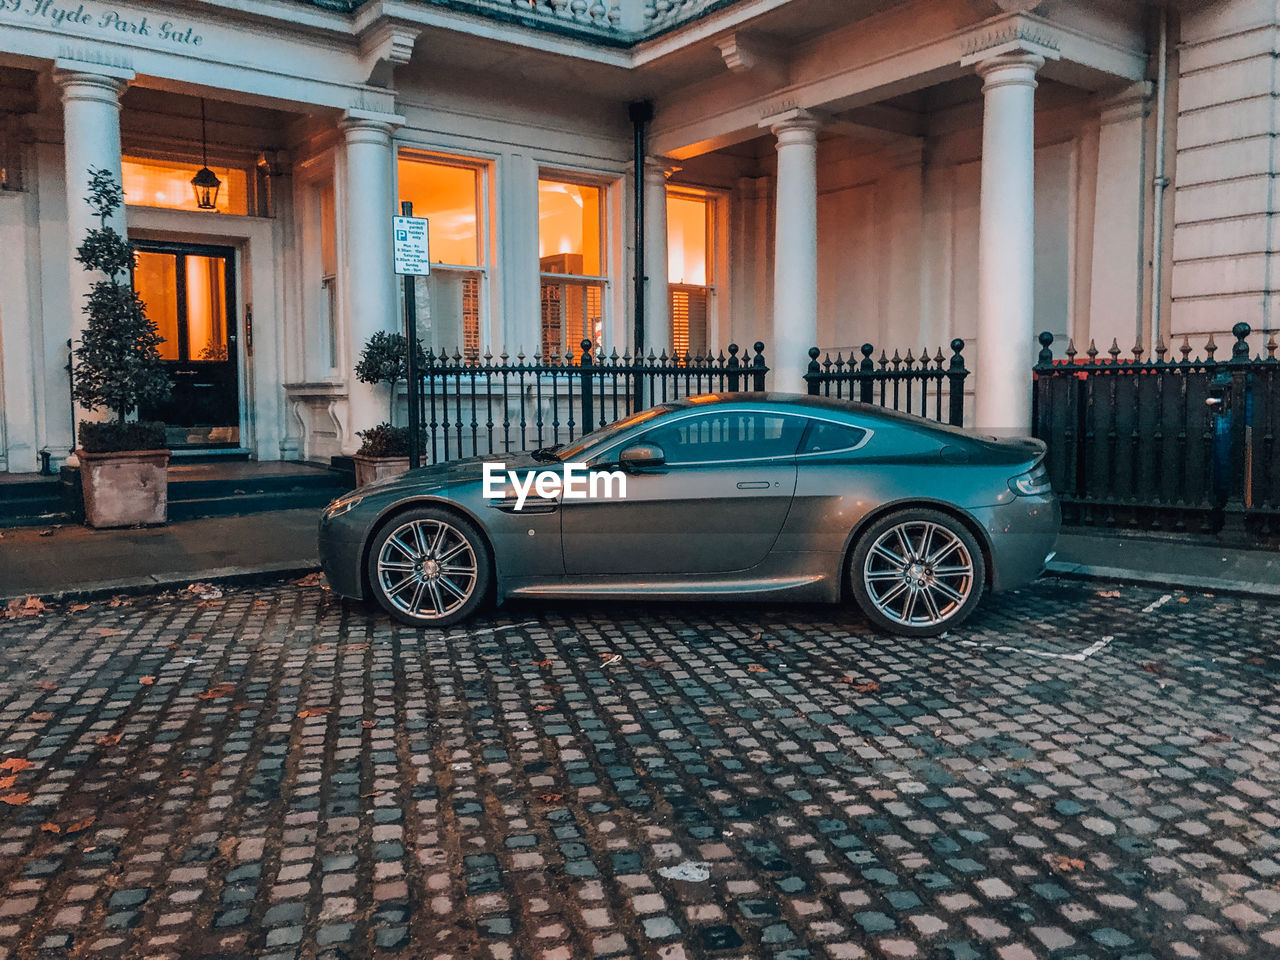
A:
(273, 773)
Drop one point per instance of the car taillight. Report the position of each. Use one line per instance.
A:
(1033, 483)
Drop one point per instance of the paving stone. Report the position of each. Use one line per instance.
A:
(981, 801)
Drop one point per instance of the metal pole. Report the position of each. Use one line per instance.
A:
(411, 365)
(1160, 183)
(641, 112)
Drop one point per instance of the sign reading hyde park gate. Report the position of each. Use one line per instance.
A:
(81, 20)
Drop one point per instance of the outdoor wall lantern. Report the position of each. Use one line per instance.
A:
(205, 183)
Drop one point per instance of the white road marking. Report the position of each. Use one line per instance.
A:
(1080, 657)
(509, 626)
(1157, 604)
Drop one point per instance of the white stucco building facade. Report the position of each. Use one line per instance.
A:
(902, 172)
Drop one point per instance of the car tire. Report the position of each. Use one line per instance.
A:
(917, 573)
(429, 567)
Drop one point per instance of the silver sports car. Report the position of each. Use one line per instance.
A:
(724, 496)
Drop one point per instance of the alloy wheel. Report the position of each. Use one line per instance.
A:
(427, 568)
(918, 573)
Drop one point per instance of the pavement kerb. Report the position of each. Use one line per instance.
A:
(1171, 581)
(103, 589)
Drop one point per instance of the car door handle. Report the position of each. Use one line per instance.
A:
(753, 484)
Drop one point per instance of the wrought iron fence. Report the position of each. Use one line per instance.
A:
(926, 386)
(1164, 444)
(479, 405)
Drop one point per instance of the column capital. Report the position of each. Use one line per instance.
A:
(80, 80)
(658, 170)
(796, 125)
(1131, 103)
(365, 126)
(1010, 69)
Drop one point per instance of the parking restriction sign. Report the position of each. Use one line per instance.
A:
(412, 258)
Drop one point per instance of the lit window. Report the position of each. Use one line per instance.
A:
(571, 233)
(451, 195)
(165, 183)
(689, 261)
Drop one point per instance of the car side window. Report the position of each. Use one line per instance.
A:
(825, 437)
(728, 436)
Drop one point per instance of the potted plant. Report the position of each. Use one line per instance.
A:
(384, 450)
(123, 463)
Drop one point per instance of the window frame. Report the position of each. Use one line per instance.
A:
(483, 168)
(242, 164)
(602, 280)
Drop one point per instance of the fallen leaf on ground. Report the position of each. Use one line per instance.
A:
(1109, 593)
(146, 681)
(1216, 738)
(106, 632)
(79, 825)
(15, 764)
(867, 686)
(1184, 599)
(543, 707)
(110, 740)
(119, 602)
(310, 580)
(203, 591)
(77, 607)
(756, 668)
(41, 716)
(609, 659)
(313, 712)
(551, 797)
(218, 691)
(15, 799)
(50, 828)
(47, 533)
(46, 686)
(369, 724)
(18, 607)
(7, 783)
(1062, 863)
(542, 663)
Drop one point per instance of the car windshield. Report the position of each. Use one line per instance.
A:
(573, 451)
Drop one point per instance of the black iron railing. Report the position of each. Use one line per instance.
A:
(1164, 444)
(926, 386)
(486, 404)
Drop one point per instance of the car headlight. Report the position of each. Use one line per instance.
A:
(342, 505)
(1033, 483)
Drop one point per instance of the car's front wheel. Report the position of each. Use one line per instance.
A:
(917, 573)
(429, 568)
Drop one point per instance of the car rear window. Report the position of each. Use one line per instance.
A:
(826, 437)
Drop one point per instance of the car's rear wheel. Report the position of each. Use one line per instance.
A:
(917, 573)
(429, 568)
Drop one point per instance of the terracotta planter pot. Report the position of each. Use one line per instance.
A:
(369, 469)
(125, 489)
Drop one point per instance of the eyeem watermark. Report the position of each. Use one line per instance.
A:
(576, 481)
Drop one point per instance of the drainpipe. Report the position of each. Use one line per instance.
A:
(641, 112)
(1161, 181)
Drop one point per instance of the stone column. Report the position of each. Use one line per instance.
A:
(91, 138)
(370, 302)
(795, 258)
(1006, 245)
(657, 314)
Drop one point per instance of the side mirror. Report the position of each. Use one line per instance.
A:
(639, 456)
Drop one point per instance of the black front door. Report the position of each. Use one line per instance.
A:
(189, 293)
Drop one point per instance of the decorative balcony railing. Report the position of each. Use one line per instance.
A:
(618, 22)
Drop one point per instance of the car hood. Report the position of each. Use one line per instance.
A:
(454, 471)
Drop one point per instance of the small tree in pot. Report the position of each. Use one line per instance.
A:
(384, 449)
(123, 464)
